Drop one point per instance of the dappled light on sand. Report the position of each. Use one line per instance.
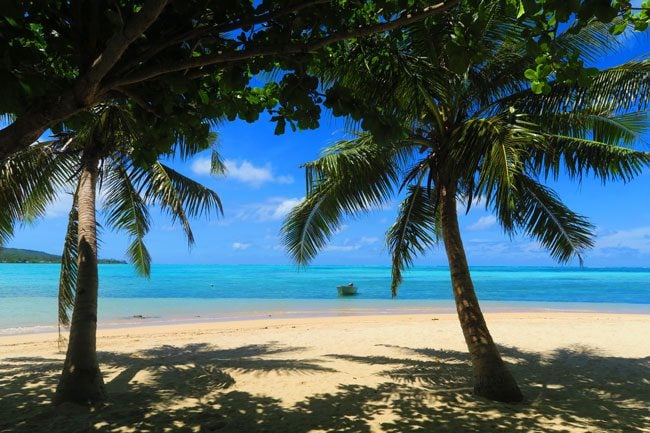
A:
(203, 388)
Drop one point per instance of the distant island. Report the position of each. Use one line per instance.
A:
(16, 255)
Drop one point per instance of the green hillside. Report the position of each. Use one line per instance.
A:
(16, 255)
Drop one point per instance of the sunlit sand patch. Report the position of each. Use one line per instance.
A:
(381, 376)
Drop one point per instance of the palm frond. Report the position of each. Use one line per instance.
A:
(127, 211)
(29, 182)
(621, 89)
(596, 122)
(179, 196)
(309, 226)
(496, 148)
(544, 217)
(580, 157)
(68, 274)
(593, 41)
(186, 147)
(625, 87)
(351, 177)
(217, 165)
(415, 230)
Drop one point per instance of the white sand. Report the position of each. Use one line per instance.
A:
(580, 372)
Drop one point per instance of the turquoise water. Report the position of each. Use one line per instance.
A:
(199, 292)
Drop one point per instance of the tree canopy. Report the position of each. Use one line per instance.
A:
(481, 132)
(189, 61)
(184, 61)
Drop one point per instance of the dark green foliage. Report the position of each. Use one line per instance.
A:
(416, 230)
(332, 192)
(17, 255)
(176, 63)
(33, 178)
(482, 132)
(179, 63)
(69, 266)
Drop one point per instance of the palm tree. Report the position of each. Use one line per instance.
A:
(100, 152)
(480, 134)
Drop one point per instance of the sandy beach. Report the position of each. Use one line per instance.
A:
(580, 372)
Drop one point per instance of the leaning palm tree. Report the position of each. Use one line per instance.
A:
(99, 157)
(480, 134)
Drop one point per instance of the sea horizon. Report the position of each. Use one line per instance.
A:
(198, 293)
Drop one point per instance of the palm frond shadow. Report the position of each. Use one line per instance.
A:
(574, 385)
(141, 380)
(190, 388)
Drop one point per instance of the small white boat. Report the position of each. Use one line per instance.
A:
(347, 290)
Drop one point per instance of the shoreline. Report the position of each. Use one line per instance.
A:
(490, 308)
(207, 327)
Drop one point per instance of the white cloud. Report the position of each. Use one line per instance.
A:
(341, 229)
(282, 208)
(201, 166)
(244, 171)
(353, 246)
(533, 247)
(284, 180)
(273, 209)
(368, 240)
(60, 207)
(483, 223)
(637, 239)
(63, 203)
(479, 203)
(342, 247)
(240, 246)
(490, 248)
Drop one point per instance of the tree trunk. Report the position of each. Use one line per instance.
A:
(492, 379)
(29, 126)
(81, 381)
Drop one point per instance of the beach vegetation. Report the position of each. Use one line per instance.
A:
(17, 255)
(100, 158)
(186, 61)
(192, 59)
(476, 134)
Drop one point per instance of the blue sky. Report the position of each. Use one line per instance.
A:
(265, 181)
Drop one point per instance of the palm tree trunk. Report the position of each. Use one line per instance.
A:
(492, 379)
(81, 381)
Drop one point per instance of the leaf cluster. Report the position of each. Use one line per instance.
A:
(479, 131)
(130, 185)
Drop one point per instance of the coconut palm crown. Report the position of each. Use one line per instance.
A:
(478, 135)
(102, 156)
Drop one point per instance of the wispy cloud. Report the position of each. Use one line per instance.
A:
(341, 229)
(343, 247)
(60, 207)
(368, 240)
(483, 223)
(273, 209)
(240, 246)
(632, 239)
(63, 203)
(479, 203)
(243, 171)
(201, 166)
(349, 245)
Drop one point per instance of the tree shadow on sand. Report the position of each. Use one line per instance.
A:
(139, 384)
(572, 389)
(190, 389)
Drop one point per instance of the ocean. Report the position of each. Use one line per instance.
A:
(185, 293)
